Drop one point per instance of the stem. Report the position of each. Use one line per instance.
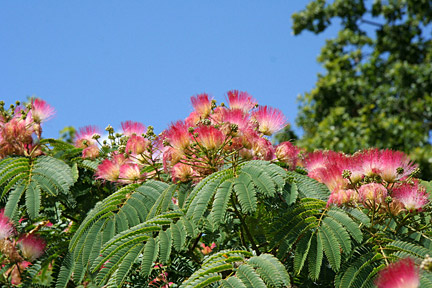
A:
(385, 257)
(371, 23)
(195, 242)
(245, 227)
(400, 224)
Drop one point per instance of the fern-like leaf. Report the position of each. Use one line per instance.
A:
(246, 194)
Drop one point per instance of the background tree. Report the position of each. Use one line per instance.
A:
(376, 90)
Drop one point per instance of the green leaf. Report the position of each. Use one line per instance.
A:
(165, 244)
(339, 232)
(315, 257)
(302, 251)
(249, 277)
(13, 200)
(260, 178)
(351, 226)
(33, 200)
(220, 204)
(331, 246)
(233, 282)
(245, 191)
(149, 256)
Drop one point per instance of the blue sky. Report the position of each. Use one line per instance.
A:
(103, 62)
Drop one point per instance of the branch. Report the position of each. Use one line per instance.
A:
(371, 23)
(245, 227)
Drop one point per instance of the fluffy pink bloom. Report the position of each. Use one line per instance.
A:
(386, 163)
(31, 246)
(40, 110)
(6, 227)
(331, 176)
(178, 136)
(91, 152)
(15, 135)
(270, 120)
(130, 173)
(137, 144)
(263, 149)
(412, 196)
(241, 100)
(317, 162)
(355, 165)
(218, 115)
(373, 193)
(130, 127)
(84, 137)
(170, 158)
(201, 104)
(192, 119)
(391, 161)
(237, 117)
(209, 137)
(401, 274)
(182, 172)
(110, 169)
(287, 153)
(341, 196)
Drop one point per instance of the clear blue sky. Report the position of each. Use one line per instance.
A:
(103, 62)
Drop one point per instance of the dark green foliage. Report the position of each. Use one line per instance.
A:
(32, 177)
(258, 271)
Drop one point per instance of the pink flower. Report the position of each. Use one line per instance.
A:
(401, 274)
(130, 173)
(342, 196)
(202, 104)
(170, 158)
(218, 115)
(207, 249)
(287, 153)
(6, 227)
(182, 173)
(331, 176)
(15, 135)
(84, 138)
(209, 137)
(270, 120)
(31, 246)
(412, 196)
(130, 128)
(318, 161)
(372, 192)
(390, 165)
(391, 162)
(110, 169)
(237, 117)
(178, 136)
(40, 110)
(241, 100)
(263, 149)
(192, 119)
(91, 152)
(137, 144)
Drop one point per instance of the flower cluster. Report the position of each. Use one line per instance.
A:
(190, 149)
(213, 136)
(19, 125)
(18, 252)
(381, 180)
